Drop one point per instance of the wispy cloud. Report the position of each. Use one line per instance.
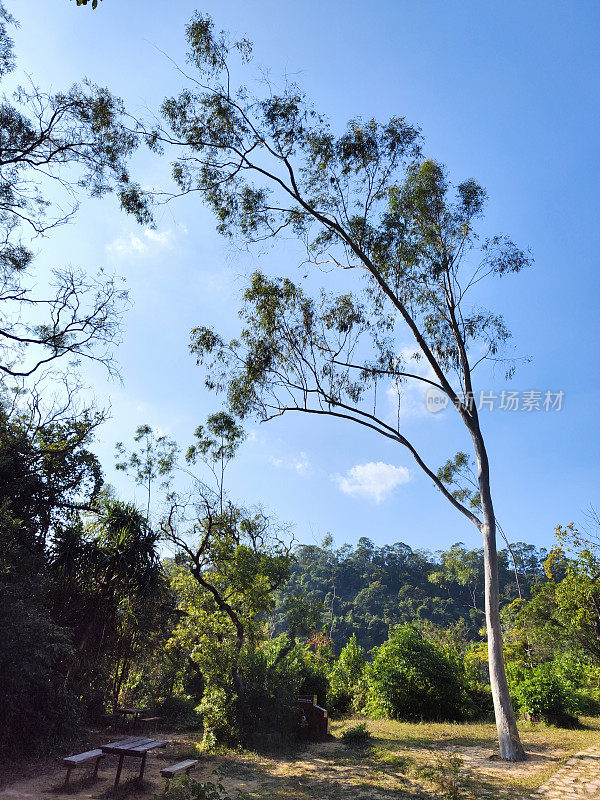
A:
(375, 480)
(301, 463)
(411, 394)
(146, 243)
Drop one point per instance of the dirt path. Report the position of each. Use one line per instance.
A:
(579, 778)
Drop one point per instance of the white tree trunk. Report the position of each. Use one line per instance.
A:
(511, 748)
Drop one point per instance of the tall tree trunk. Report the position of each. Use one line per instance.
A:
(511, 748)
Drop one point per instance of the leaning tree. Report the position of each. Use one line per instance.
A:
(366, 200)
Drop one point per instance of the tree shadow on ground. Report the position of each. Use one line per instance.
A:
(76, 785)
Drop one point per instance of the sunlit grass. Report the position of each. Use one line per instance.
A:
(410, 760)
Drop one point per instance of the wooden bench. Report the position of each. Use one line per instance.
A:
(74, 761)
(177, 769)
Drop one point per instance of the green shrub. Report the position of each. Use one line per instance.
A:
(179, 710)
(310, 673)
(411, 678)
(346, 679)
(267, 716)
(357, 736)
(217, 709)
(581, 681)
(187, 788)
(542, 692)
(264, 715)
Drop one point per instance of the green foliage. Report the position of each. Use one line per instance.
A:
(411, 678)
(346, 680)
(581, 680)
(357, 736)
(557, 689)
(265, 715)
(187, 788)
(218, 711)
(541, 692)
(54, 146)
(81, 595)
(311, 671)
(37, 705)
(224, 593)
(218, 440)
(156, 459)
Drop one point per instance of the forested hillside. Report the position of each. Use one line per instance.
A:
(365, 589)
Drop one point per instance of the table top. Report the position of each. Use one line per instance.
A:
(133, 746)
(130, 711)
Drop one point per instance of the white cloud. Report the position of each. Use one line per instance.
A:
(301, 463)
(149, 241)
(375, 480)
(160, 238)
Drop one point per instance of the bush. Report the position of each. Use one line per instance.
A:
(542, 692)
(411, 678)
(310, 673)
(581, 681)
(179, 710)
(265, 715)
(186, 788)
(217, 710)
(346, 679)
(357, 736)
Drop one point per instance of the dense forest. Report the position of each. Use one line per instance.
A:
(364, 590)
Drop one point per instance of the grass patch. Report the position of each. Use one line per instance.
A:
(409, 760)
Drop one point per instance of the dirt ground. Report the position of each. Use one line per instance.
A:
(391, 768)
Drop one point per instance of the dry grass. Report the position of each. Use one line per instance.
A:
(403, 760)
(407, 760)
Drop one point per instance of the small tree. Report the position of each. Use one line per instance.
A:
(366, 202)
(230, 562)
(217, 443)
(566, 608)
(155, 459)
(346, 675)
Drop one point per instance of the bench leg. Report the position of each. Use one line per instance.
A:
(68, 775)
(119, 768)
(98, 760)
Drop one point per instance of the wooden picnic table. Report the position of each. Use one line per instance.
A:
(124, 712)
(136, 747)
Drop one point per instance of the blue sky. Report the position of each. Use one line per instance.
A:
(505, 93)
